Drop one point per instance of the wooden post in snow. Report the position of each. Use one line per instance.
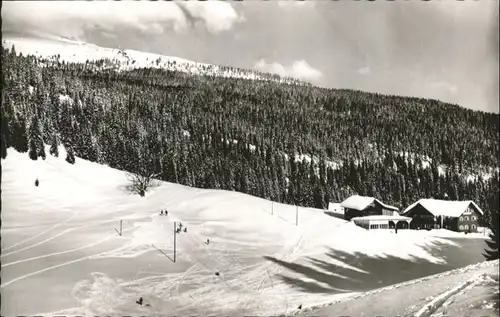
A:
(272, 207)
(120, 232)
(296, 215)
(175, 234)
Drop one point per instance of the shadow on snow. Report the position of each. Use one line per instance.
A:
(324, 276)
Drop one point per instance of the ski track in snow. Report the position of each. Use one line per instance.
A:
(58, 235)
(62, 252)
(39, 234)
(4, 284)
(241, 228)
(438, 301)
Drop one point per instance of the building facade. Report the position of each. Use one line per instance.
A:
(460, 216)
(469, 220)
(375, 222)
(361, 206)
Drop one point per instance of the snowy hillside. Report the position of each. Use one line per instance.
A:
(60, 239)
(79, 52)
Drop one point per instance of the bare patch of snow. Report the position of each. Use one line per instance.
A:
(65, 98)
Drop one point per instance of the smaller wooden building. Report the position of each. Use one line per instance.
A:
(361, 206)
(334, 210)
(382, 222)
(461, 216)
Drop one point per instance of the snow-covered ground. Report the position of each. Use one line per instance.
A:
(476, 299)
(59, 239)
(469, 291)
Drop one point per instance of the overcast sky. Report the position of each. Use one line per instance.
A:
(446, 49)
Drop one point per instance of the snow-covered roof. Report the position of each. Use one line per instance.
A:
(447, 208)
(334, 206)
(382, 217)
(361, 202)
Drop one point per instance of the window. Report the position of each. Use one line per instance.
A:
(466, 218)
(473, 227)
(466, 227)
(373, 226)
(461, 218)
(473, 218)
(461, 227)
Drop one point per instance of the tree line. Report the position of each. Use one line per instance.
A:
(249, 135)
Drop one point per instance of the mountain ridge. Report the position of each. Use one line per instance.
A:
(126, 59)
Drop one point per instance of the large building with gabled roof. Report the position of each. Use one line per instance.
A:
(370, 213)
(463, 216)
(360, 206)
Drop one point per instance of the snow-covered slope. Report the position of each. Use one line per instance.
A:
(119, 59)
(59, 239)
(468, 291)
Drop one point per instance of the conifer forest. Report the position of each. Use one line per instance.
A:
(288, 142)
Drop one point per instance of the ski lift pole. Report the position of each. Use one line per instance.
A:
(175, 234)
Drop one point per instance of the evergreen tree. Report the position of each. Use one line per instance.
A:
(492, 253)
(70, 155)
(54, 146)
(493, 220)
(33, 152)
(36, 145)
(319, 198)
(19, 138)
(4, 147)
(4, 136)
